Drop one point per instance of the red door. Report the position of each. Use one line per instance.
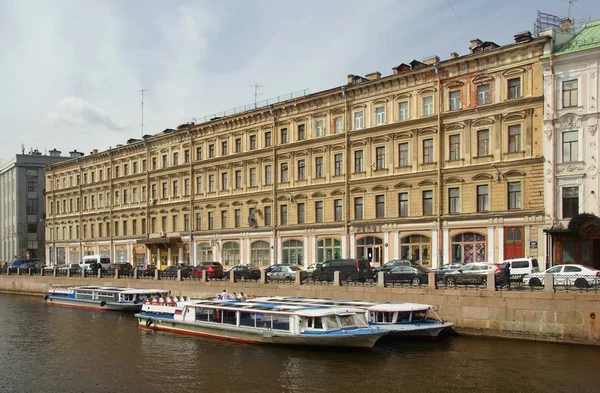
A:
(513, 243)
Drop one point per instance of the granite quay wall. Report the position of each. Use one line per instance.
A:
(571, 317)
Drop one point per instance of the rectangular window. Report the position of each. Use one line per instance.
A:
(153, 225)
(143, 226)
(186, 157)
(403, 110)
(483, 94)
(514, 88)
(186, 222)
(117, 171)
(483, 143)
(453, 200)
(211, 220)
(165, 191)
(186, 187)
(319, 167)
(319, 211)
(454, 147)
(252, 142)
(32, 206)
(117, 198)
(339, 164)
(380, 206)
(339, 124)
(570, 147)
(268, 175)
(380, 115)
(358, 120)
(198, 221)
(211, 151)
(267, 138)
(301, 170)
(164, 163)
(175, 188)
(319, 128)
(514, 195)
(163, 223)
(268, 215)
(211, 183)
(237, 218)
(301, 132)
(569, 93)
(125, 198)
(124, 228)
(358, 161)
(199, 153)
(570, 202)
(116, 228)
(238, 145)
(175, 158)
(224, 148)
(403, 154)
(252, 177)
(427, 151)
(100, 230)
(358, 208)
(428, 106)
(31, 184)
(223, 219)
(455, 103)
(380, 158)
(483, 198)
(337, 210)
(283, 214)
(514, 139)
(427, 203)
(284, 172)
(224, 181)
(198, 184)
(238, 179)
(403, 204)
(300, 212)
(284, 135)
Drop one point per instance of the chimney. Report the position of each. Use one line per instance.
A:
(373, 76)
(453, 55)
(350, 78)
(54, 153)
(524, 36)
(75, 154)
(431, 60)
(475, 43)
(565, 25)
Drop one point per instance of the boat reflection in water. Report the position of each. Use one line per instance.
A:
(263, 323)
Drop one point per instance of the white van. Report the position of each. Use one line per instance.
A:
(92, 259)
(522, 265)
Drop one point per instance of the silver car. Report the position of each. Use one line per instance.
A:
(579, 276)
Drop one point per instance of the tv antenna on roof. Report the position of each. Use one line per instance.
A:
(256, 87)
(571, 2)
(142, 91)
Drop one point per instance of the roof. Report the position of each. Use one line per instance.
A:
(273, 308)
(371, 306)
(587, 38)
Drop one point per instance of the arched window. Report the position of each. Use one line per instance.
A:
(328, 249)
(205, 252)
(416, 248)
(260, 253)
(468, 247)
(230, 253)
(370, 248)
(293, 252)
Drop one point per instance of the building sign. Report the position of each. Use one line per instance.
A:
(533, 244)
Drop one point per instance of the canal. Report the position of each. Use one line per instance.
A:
(54, 349)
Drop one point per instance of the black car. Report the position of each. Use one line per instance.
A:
(146, 270)
(350, 270)
(415, 275)
(446, 268)
(388, 266)
(171, 271)
(243, 272)
(124, 269)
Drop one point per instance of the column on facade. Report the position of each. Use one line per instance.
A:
(169, 256)
(242, 249)
(344, 247)
(352, 246)
(313, 246)
(527, 241)
(491, 252)
(279, 257)
(435, 249)
(272, 243)
(446, 246)
(305, 251)
(386, 248)
(500, 243)
(180, 255)
(396, 245)
(148, 256)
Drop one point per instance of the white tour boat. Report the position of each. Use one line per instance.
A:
(258, 323)
(400, 319)
(101, 298)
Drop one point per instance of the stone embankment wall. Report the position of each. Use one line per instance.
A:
(571, 317)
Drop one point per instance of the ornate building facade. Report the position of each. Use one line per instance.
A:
(439, 161)
(571, 64)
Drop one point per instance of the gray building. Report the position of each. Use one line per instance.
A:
(22, 205)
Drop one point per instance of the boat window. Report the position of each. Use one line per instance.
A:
(262, 320)
(403, 316)
(385, 317)
(106, 296)
(314, 323)
(203, 314)
(419, 315)
(361, 320)
(331, 322)
(347, 320)
(214, 315)
(281, 322)
(229, 317)
(85, 295)
(247, 319)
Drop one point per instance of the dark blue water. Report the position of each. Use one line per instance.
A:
(54, 349)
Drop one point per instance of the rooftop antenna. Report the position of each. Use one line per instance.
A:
(256, 87)
(571, 2)
(142, 91)
(22, 148)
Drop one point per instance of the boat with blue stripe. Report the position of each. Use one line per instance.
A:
(400, 319)
(263, 323)
(102, 298)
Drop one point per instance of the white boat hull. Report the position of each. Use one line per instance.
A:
(92, 304)
(426, 330)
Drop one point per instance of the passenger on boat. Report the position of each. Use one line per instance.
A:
(243, 296)
(238, 296)
(224, 295)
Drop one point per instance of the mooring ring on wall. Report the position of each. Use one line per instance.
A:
(593, 315)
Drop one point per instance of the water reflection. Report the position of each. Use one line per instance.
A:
(46, 348)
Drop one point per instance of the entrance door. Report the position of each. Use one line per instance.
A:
(513, 243)
(374, 255)
(596, 253)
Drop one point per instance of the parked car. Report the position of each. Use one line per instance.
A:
(447, 267)
(213, 270)
(103, 261)
(388, 266)
(569, 275)
(268, 269)
(415, 275)
(286, 272)
(146, 270)
(350, 270)
(122, 267)
(173, 269)
(522, 265)
(90, 265)
(471, 273)
(243, 272)
(73, 267)
(312, 267)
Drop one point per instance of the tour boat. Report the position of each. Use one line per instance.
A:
(101, 298)
(259, 323)
(400, 319)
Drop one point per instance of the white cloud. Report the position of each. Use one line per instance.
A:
(77, 111)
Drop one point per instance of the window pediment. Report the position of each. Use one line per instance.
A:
(251, 202)
(453, 179)
(427, 91)
(357, 190)
(318, 194)
(223, 204)
(379, 188)
(513, 72)
(482, 177)
(266, 200)
(426, 182)
(484, 122)
(481, 79)
(514, 116)
(336, 193)
(514, 173)
(402, 185)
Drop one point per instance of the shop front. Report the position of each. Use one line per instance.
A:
(578, 243)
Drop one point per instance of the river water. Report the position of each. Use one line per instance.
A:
(55, 349)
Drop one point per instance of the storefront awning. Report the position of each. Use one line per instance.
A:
(160, 240)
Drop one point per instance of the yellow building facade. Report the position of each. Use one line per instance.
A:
(440, 161)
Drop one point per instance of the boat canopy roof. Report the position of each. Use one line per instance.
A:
(272, 308)
(371, 306)
(124, 290)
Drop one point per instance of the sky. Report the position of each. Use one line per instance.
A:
(72, 71)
